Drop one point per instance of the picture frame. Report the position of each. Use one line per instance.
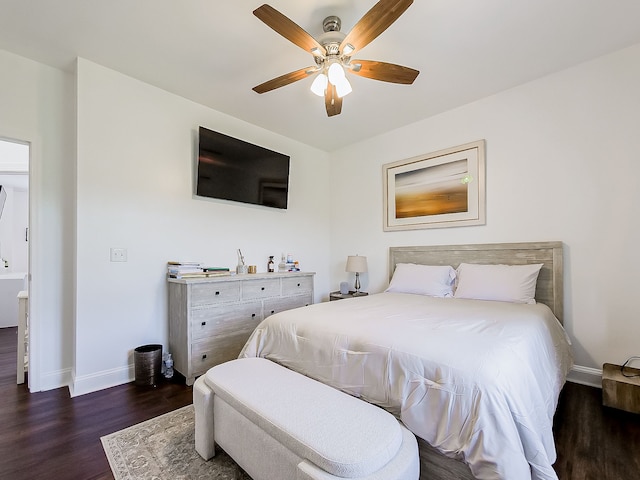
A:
(440, 189)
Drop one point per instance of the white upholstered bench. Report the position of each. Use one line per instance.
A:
(280, 425)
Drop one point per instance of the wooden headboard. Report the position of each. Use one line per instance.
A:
(549, 288)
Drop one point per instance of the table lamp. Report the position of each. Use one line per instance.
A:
(357, 265)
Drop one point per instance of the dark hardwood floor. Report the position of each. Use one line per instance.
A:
(595, 442)
(48, 435)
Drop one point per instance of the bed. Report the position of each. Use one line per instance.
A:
(477, 381)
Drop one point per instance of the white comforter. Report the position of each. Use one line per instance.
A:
(477, 380)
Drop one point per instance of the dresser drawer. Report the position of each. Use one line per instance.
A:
(262, 288)
(276, 305)
(213, 293)
(297, 285)
(225, 319)
(207, 354)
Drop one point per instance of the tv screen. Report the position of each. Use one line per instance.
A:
(231, 169)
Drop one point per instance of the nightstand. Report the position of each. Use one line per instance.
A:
(340, 296)
(619, 391)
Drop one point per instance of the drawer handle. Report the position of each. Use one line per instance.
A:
(204, 356)
(298, 284)
(262, 288)
(204, 323)
(253, 315)
(217, 293)
(272, 312)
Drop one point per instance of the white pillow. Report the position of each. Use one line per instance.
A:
(504, 283)
(435, 281)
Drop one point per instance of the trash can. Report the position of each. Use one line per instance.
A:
(147, 361)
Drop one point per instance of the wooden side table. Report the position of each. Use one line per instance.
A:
(339, 296)
(619, 391)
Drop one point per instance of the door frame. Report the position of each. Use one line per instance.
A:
(34, 246)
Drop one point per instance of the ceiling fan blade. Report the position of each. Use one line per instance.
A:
(374, 22)
(385, 72)
(287, 28)
(332, 102)
(285, 79)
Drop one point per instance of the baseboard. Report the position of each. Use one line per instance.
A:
(585, 376)
(84, 384)
(56, 379)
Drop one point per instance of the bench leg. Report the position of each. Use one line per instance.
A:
(203, 408)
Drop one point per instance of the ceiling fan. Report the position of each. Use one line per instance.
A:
(332, 52)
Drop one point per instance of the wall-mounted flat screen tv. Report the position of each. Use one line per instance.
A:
(232, 169)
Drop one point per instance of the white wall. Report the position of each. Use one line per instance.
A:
(13, 221)
(135, 191)
(37, 107)
(562, 164)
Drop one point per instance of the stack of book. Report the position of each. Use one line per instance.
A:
(194, 270)
(183, 269)
(215, 271)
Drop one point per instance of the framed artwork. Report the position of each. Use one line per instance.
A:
(440, 189)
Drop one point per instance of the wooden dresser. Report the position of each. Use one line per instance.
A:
(211, 319)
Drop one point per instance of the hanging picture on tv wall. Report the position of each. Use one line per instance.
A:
(440, 189)
(239, 171)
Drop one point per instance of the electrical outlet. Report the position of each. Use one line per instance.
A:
(118, 254)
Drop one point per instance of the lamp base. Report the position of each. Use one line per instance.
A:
(357, 285)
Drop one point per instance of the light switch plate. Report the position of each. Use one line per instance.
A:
(118, 254)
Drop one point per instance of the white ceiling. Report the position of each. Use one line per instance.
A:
(214, 52)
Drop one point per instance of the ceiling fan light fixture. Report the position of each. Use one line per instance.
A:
(332, 52)
(319, 84)
(335, 73)
(343, 87)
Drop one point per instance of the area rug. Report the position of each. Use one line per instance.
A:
(163, 449)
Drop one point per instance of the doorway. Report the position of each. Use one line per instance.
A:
(14, 236)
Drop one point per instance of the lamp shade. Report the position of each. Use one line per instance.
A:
(343, 87)
(335, 73)
(319, 84)
(356, 263)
